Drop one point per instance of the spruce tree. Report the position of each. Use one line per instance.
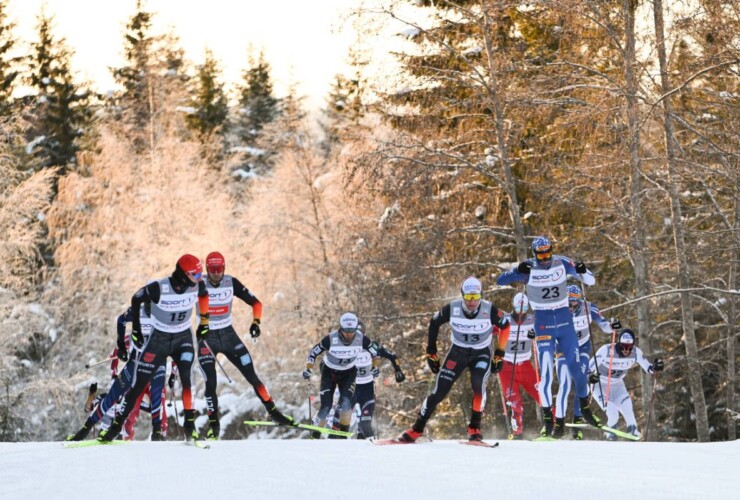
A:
(134, 76)
(208, 99)
(257, 104)
(61, 108)
(9, 72)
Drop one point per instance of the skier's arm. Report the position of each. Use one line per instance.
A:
(599, 319)
(389, 355)
(371, 347)
(203, 305)
(513, 275)
(642, 361)
(600, 361)
(440, 318)
(146, 295)
(586, 278)
(243, 293)
(316, 350)
(502, 324)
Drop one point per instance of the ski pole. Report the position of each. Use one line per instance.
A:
(217, 362)
(503, 404)
(650, 406)
(96, 363)
(308, 392)
(593, 349)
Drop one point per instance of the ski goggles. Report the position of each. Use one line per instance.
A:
(195, 276)
(471, 296)
(543, 255)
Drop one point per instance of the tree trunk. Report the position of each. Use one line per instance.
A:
(687, 315)
(732, 285)
(638, 238)
(503, 150)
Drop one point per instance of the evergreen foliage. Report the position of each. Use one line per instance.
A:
(9, 64)
(62, 112)
(209, 100)
(257, 104)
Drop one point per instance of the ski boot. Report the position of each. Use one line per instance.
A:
(189, 426)
(82, 433)
(157, 434)
(339, 427)
(578, 433)
(214, 429)
(559, 431)
(315, 435)
(546, 430)
(474, 434)
(588, 415)
(112, 432)
(410, 435)
(632, 429)
(280, 418)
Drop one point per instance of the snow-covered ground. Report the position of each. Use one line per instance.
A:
(292, 469)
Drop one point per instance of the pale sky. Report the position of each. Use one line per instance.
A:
(305, 42)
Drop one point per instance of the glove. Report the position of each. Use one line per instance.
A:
(93, 388)
(616, 324)
(433, 362)
(137, 338)
(593, 378)
(530, 334)
(497, 364)
(202, 331)
(658, 365)
(121, 352)
(375, 372)
(524, 267)
(400, 377)
(171, 381)
(307, 373)
(581, 267)
(254, 330)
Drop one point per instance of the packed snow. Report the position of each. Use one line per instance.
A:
(290, 469)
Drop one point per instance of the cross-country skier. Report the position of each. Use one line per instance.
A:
(472, 321)
(222, 338)
(518, 370)
(365, 386)
(105, 405)
(545, 276)
(342, 347)
(171, 301)
(581, 311)
(624, 356)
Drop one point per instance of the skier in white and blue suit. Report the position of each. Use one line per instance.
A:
(545, 276)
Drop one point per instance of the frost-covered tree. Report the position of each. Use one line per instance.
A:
(61, 106)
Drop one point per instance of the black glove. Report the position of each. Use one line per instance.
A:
(93, 388)
(202, 331)
(400, 377)
(497, 364)
(433, 362)
(593, 378)
(530, 334)
(375, 371)
(581, 267)
(616, 324)
(658, 365)
(307, 373)
(171, 381)
(524, 267)
(121, 352)
(254, 330)
(137, 338)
